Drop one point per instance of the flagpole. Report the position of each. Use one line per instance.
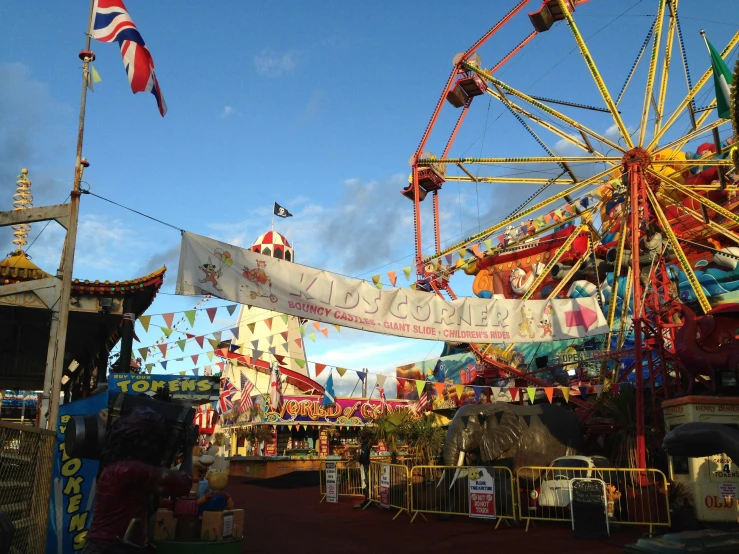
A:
(273, 217)
(58, 335)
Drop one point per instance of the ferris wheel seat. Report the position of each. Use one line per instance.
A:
(429, 180)
(549, 14)
(408, 193)
(457, 97)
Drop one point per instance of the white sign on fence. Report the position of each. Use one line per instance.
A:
(385, 486)
(208, 266)
(332, 490)
(481, 492)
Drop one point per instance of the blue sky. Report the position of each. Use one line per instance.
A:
(317, 106)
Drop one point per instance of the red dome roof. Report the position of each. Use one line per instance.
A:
(274, 244)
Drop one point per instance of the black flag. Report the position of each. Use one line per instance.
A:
(281, 212)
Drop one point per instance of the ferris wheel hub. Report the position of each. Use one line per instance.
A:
(636, 156)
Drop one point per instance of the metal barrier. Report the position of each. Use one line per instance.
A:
(26, 457)
(396, 478)
(348, 479)
(445, 490)
(633, 496)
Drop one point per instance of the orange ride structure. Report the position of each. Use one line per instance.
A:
(643, 217)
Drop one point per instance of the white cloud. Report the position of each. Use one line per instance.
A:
(273, 64)
(229, 111)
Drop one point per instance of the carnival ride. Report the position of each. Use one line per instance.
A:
(595, 236)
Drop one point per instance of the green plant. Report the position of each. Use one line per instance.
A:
(621, 409)
(387, 430)
(425, 438)
(263, 433)
(219, 439)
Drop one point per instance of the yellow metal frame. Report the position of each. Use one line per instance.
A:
(401, 509)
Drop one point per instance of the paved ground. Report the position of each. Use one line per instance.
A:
(291, 520)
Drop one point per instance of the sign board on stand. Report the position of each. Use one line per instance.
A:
(385, 486)
(589, 508)
(332, 491)
(481, 487)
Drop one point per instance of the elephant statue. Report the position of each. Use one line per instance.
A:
(512, 435)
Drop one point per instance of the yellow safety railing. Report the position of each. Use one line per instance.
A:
(444, 490)
(633, 496)
(348, 479)
(390, 486)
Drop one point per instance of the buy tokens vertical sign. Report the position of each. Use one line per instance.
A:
(332, 491)
(385, 486)
(481, 493)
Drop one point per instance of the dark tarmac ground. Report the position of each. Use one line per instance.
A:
(285, 516)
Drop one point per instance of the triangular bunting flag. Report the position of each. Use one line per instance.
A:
(251, 327)
(320, 368)
(211, 313)
(413, 286)
(167, 331)
(270, 338)
(362, 375)
(407, 273)
(200, 341)
(495, 392)
(149, 367)
(302, 330)
(256, 354)
(439, 389)
(565, 393)
(164, 364)
(255, 344)
(549, 391)
(195, 358)
(190, 315)
(235, 332)
(460, 391)
(217, 335)
(182, 372)
(340, 371)
(301, 363)
(488, 243)
(272, 350)
(376, 279)
(268, 323)
(163, 348)
(392, 277)
(231, 309)
(420, 385)
(448, 259)
(145, 319)
(338, 328)
(280, 359)
(583, 391)
(379, 285)
(514, 393)
(299, 342)
(317, 325)
(181, 344)
(284, 318)
(325, 332)
(195, 371)
(143, 352)
(531, 391)
(213, 343)
(284, 336)
(312, 336)
(168, 318)
(462, 253)
(210, 356)
(381, 380)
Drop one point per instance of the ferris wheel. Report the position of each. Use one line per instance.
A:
(637, 216)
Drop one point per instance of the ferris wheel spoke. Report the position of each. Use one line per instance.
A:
(596, 74)
(543, 123)
(523, 213)
(677, 249)
(509, 180)
(728, 233)
(671, 32)
(650, 73)
(685, 101)
(543, 107)
(701, 119)
(680, 143)
(702, 162)
(528, 160)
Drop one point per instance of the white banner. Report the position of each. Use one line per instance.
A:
(208, 266)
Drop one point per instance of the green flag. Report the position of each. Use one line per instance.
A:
(721, 80)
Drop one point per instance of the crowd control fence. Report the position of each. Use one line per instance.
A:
(26, 457)
(445, 490)
(390, 486)
(632, 497)
(348, 479)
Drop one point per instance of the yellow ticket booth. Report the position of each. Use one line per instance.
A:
(712, 483)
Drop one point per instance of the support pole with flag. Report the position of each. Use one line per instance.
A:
(721, 80)
(329, 397)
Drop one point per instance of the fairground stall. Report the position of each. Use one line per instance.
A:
(301, 434)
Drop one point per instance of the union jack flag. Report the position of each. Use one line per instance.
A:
(112, 23)
(246, 388)
(225, 402)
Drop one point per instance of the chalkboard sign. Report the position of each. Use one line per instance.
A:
(589, 508)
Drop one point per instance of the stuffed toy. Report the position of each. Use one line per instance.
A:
(217, 500)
